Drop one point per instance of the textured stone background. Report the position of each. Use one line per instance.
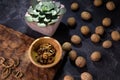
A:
(12, 15)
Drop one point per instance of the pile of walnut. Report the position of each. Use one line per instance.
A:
(46, 54)
(8, 66)
(95, 37)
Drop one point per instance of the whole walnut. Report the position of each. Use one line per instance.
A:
(86, 76)
(68, 77)
(97, 3)
(99, 30)
(107, 44)
(72, 55)
(80, 61)
(66, 46)
(85, 30)
(95, 38)
(110, 5)
(106, 22)
(95, 56)
(85, 15)
(75, 39)
(71, 21)
(74, 6)
(115, 35)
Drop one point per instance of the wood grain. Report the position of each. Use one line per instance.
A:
(16, 44)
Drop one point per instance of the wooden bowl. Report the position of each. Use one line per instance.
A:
(36, 43)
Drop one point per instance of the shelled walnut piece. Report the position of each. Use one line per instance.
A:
(8, 66)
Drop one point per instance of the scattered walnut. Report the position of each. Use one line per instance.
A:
(80, 61)
(74, 6)
(115, 35)
(106, 22)
(85, 15)
(110, 5)
(86, 76)
(85, 30)
(97, 3)
(95, 38)
(68, 77)
(99, 30)
(107, 44)
(72, 55)
(95, 56)
(71, 21)
(67, 46)
(75, 39)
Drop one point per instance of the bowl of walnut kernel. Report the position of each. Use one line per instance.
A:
(45, 52)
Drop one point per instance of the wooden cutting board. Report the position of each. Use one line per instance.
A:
(16, 44)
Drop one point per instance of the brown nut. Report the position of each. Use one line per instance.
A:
(74, 6)
(75, 39)
(85, 30)
(95, 56)
(106, 22)
(97, 3)
(8, 63)
(2, 59)
(67, 46)
(72, 55)
(80, 61)
(86, 15)
(68, 77)
(99, 30)
(71, 21)
(110, 5)
(115, 35)
(107, 44)
(86, 76)
(95, 38)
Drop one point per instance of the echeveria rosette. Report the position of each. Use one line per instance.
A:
(45, 12)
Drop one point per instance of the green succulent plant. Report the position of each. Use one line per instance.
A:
(45, 12)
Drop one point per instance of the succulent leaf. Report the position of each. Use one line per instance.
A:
(41, 24)
(29, 18)
(57, 4)
(53, 21)
(62, 11)
(46, 20)
(45, 12)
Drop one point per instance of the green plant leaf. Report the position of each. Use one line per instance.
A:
(34, 3)
(54, 12)
(57, 4)
(29, 18)
(41, 24)
(62, 11)
(46, 20)
(36, 19)
(53, 21)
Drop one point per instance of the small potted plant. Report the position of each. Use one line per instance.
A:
(44, 16)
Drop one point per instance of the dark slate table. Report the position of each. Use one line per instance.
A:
(108, 68)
